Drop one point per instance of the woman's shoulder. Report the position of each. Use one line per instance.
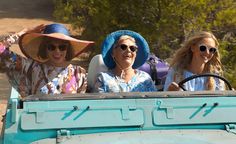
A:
(108, 73)
(142, 73)
(107, 77)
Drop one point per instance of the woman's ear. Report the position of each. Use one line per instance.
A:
(192, 48)
(112, 53)
(113, 57)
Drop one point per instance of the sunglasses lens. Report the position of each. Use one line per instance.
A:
(51, 47)
(202, 48)
(123, 47)
(212, 50)
(62, 47)
(133, 48)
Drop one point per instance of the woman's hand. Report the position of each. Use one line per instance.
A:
(13, 38)
(174, 87)
(36, 29)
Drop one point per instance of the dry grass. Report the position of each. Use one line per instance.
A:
(14, 16)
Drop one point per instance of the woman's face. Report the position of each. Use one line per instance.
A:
(56, 52)
(125, 53)
(204, 50)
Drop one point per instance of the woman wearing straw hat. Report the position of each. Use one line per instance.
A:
(47, 68)
(123, 51)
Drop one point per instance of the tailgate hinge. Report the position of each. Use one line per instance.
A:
(168, 109)
(231, 128)
(125, 112)
(14, 111)
(62, 136)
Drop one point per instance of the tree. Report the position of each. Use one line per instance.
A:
(164, 23)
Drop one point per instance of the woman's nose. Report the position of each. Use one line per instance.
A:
(207, 51)
(57, 49)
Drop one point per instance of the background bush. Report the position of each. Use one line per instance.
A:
(164, 23)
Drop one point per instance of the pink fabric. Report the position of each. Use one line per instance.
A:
(30, 77)
(2, 48)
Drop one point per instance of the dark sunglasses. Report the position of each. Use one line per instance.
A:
(204, 48)
(132, 47)
(61, 47)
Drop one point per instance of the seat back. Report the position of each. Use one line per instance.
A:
(96, 66)
(157, 69)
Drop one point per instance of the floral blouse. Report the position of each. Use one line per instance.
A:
(108, 82)
(30, 77)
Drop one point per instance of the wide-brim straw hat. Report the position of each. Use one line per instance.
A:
(30, 42)
(111, 39)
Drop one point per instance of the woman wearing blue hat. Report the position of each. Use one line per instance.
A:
(47, 69)
(123, 52)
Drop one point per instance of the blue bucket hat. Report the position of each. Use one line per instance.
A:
(30, 42)
(111, 39)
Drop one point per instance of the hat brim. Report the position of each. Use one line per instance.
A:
(30, 44)
(142, 53)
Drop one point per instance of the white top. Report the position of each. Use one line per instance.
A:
(197, 84)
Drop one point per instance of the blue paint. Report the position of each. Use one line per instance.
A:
(137, 117)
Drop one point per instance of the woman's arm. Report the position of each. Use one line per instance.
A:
(8, 41)
(99, 84)
(13, 38)
(16, 66)
(81, 80)
(170, 84)
(145, 82)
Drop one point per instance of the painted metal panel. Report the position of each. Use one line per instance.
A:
(151, 137)
(195, 111)
(72, 114)
(126, 117)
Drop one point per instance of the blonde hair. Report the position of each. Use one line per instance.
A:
(184, 55)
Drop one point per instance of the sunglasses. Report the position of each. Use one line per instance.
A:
(61, 47)
(204, 48)
(124, 47)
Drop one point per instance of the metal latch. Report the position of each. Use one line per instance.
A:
(169, 109)
(62, 136)
(14, 112)
(125, 112)
(231, 128)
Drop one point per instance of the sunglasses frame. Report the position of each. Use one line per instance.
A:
(203, 48)
(124, 47)
(61, 47)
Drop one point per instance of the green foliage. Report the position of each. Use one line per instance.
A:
(229, 57)
(163, 23)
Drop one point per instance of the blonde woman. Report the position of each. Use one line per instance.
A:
(198, 55)
(123, 51)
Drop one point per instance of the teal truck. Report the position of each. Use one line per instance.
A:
(183, 117)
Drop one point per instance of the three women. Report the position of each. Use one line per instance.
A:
(48, 70)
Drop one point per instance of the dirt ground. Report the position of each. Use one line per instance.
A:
(14, 16)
